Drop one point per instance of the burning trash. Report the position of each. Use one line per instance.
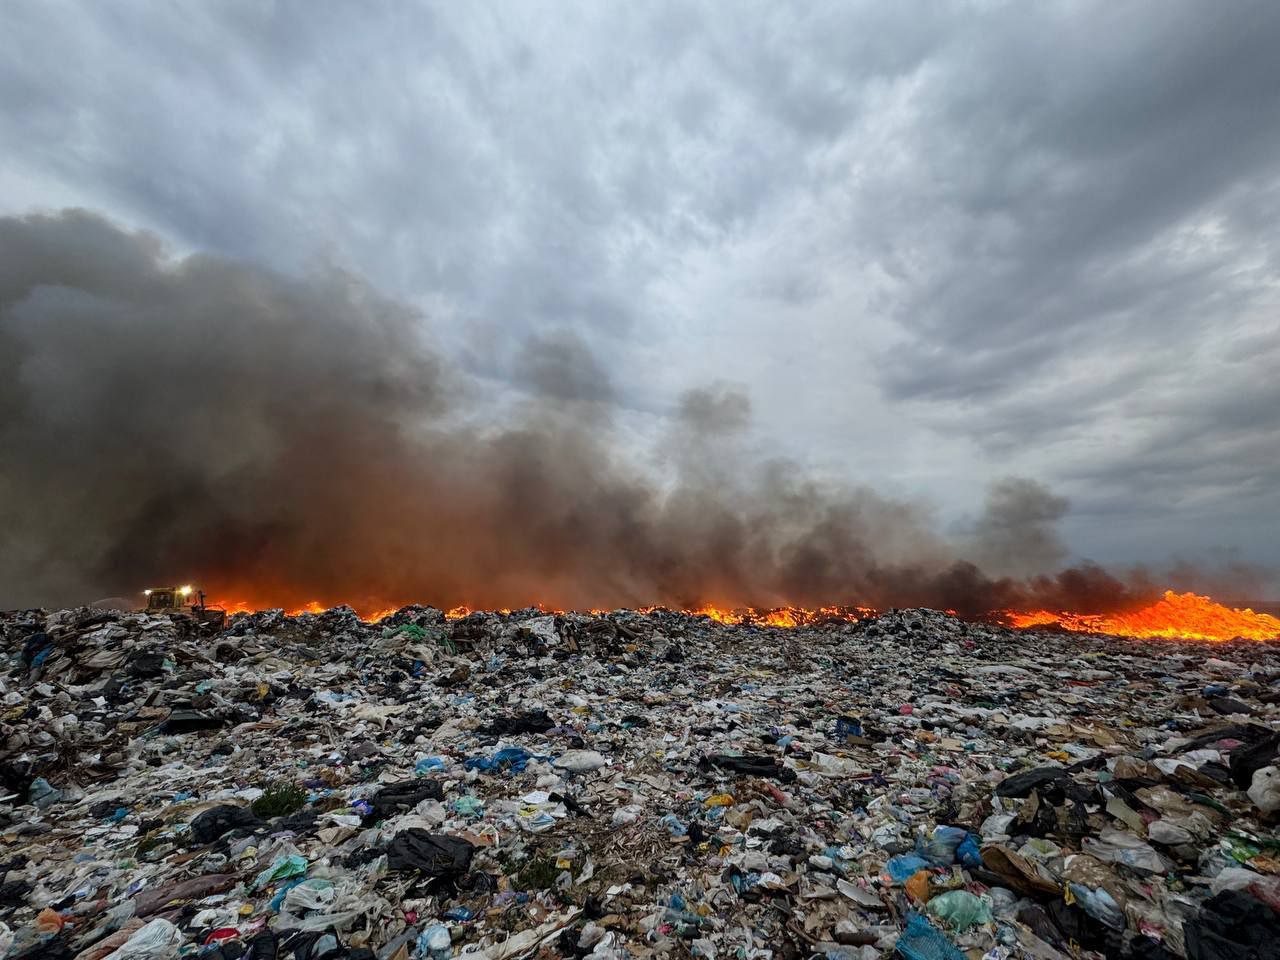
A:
(1174, 615)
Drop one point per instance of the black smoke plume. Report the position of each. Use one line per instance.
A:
(282, 440)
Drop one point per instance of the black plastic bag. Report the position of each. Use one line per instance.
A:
(756, 766)
(192, 721)
(534, 722)
(212, 825)
(1044, 780)
(1233, 926)
(1247, 760)
(145, 665)
(264, 946)
(401, 797)
(434, 855)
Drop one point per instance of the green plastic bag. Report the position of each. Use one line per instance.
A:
(283, 869)
(959, 909)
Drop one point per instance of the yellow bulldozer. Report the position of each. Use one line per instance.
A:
(187, 601)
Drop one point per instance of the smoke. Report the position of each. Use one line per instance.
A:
(284, 440)
(717, 410)
(1018, 528)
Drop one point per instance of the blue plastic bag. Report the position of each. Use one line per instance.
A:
(428, 765)
(969, 853)
(514, 759)
(905, 866)
(920, 941)
(940, 848)
(675, 826)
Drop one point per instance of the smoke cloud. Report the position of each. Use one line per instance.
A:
(283, 440)
(1018, 528)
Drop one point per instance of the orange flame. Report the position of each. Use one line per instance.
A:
(1175, 615)
(785, 617)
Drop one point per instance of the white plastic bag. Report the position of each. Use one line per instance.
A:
(158, 940)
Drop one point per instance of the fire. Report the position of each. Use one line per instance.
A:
(1175, 615)
(369, 614)
(785, 617)
(1184, 615)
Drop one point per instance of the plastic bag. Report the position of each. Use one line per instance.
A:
(1098, 904)
(213, 824)
(401, 797)
(1166, 832)
(434, 943)
(1116, 846)
(969, 852)
(940, 848)
(917, 887)
(997, 825)
(581, 761)
(1232, 878)
(431, 854)
(1264, 791)
(514, 759)
(848, 727)
(1004, 903)
(920, 941)
(902, 868)
(959, 909)
(158, 940)
(625, 816)
(1232, 926)
(314, 894)
(284, 868)
(44, 794)
(316, 922)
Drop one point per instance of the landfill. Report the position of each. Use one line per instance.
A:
(631, 784)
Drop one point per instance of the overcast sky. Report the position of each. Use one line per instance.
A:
(935, 243)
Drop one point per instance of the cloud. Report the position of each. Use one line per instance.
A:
(940, 244)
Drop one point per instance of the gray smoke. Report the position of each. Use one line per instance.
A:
(1018, 529)
(284, 440)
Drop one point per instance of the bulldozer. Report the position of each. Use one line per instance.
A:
(186, 601)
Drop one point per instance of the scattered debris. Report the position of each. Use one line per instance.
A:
(632, 784)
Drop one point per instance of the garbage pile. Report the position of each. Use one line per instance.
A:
(630, 785)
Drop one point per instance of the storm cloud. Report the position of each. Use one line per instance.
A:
(909, 248)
